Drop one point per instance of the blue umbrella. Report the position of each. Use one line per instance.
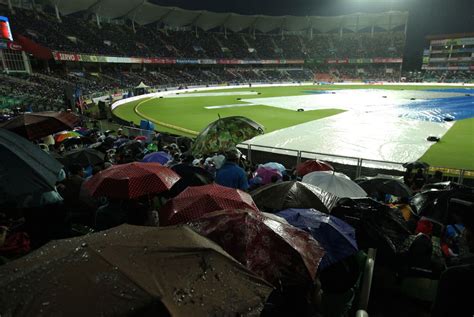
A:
(157, 157)
(337, 237)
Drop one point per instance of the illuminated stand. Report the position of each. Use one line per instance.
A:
(12, 57)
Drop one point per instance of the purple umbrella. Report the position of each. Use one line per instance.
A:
(336, 236)
(266, 174)
(157, 157)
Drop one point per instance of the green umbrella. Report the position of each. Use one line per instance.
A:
(224, 134)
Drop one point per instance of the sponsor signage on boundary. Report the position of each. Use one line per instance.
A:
(356, 61)
(71, 57)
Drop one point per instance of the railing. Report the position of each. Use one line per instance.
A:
(354, 167)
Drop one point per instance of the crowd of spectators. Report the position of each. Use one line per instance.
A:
(83, 35)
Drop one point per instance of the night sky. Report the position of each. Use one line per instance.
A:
(426, 16)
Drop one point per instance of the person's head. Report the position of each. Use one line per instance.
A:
(233, 155)
(76, 169)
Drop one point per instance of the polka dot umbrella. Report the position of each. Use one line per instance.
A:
(132, 180)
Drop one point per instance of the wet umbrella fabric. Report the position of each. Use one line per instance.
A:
(194, 202)
(437, 205)
(24, 167)
(224, 134)
(132, 180)
(190, 176)
(272, 249)
(40, 124)
(382, 185)
(312, 166)
(60, 137)
(157, 157)
(267, 174)
(276, 166)
(284, 195)
(131, 270)
(84, 157)
(377, 225)
(336, 236)
(335, 183)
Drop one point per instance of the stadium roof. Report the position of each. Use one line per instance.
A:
(143, 12)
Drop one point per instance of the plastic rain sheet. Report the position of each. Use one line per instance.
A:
(378, 124)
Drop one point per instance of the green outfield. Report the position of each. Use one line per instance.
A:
(187, 116)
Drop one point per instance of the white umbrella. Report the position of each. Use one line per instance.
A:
(335, 183)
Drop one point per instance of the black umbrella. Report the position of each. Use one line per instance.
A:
(385, 185)
(84, 157)
(24, 167)
(416, 165)
(377, 225)
(284, 195)
(438, 204)
(190, 176)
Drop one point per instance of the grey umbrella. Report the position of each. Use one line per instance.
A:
(24, 167)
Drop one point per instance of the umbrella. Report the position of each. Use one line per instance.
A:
(60, 137)
(336, 236)
(24, 167)
(377, 225)
(437, 205)
(40, 124)
(224, 134)
(83, 131)
(266, 174)
(284, 195)
(84, 157)
(121, 141)
(416, 165)
(276, 166)
(132, 180)
(336, 183)
(190, 176)
(276, 251)
(157, 157)
(194, 202)
(312, 166)
(382, 185)
(131, 270)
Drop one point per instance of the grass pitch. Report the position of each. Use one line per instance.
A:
(185, 116)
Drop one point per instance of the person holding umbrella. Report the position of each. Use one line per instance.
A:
(231, 174)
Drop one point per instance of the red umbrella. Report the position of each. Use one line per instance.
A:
(132, 180)
(196, 201)
(312, 166)
(40, 124)
(271, 249)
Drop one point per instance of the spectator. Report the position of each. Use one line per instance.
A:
(418, 180)
(436, 178)
(231, 174)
